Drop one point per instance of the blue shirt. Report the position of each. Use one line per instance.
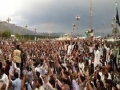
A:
(17, 84)
(86, 58)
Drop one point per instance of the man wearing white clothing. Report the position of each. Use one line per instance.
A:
(70, 48)
(4, 79)
(39, 84)
(97, 56)
(107, 53)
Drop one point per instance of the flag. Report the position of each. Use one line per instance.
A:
(117, 16)
(112, 24)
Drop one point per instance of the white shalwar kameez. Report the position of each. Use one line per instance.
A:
(97, 58)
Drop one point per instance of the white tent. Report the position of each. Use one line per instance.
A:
(112, 40)
(65, 37)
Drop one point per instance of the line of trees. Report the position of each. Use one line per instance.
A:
(7, 34)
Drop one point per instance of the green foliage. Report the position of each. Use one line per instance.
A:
(108, 35)
(17, 35)
(32, 37)
(26, 36)
(6, 33)
(115, 31)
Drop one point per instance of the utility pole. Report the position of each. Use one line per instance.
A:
(91, 22)
(8, 20)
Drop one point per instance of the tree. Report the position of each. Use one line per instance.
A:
(115, 31)
(17, 35)
(108, 35)
(6, 33)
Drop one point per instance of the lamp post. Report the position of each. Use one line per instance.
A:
(116, 12)
(8, 20)
(91, 21)
(90, 14)
(35, 34)
(23, 34)
(26, 29)
(0, 29)
(73, 27)
(77, 18)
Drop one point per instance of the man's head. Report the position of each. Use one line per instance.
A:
(39, 82)
(0, 64)
(16, 75)
(65, 87)
(17, 46)
(108, 83)
(2, 71)
(96, 47)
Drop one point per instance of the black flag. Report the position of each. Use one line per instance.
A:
(117, 16)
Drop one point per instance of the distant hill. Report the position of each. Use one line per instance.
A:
(14, 28)
(22, 30)
(51, 34)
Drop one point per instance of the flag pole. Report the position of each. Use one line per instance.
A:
(116, 12)
(91, 22)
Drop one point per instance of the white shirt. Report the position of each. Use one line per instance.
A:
(96, 58)
(18, 71)
(0, 51)
(12, 67)
(75, 85)
(40, 88)
(66, 47)
(70, 48)
(81, 66)
(91, 49)
(5, 80)
(37, 69)
(107, 53)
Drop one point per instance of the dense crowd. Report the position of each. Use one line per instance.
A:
(59, 65)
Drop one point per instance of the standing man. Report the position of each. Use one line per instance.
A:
(4, 78)
(15, 83)
(96, 56)
(17, 56)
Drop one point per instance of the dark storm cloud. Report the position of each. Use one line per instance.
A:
(62, 13)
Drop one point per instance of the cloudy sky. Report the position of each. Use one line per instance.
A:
(59, 15)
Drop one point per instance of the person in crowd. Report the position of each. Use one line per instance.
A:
(17, 55)
(15, 83)
(4, 78)
(39, 84)
(3, 87)
(96, 56)
(79, 64)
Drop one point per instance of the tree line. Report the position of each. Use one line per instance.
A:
(7, 34)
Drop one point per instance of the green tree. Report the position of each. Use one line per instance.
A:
(115, 31)
(108, 35)
(6, 33)
(26, 36)
(17, 35)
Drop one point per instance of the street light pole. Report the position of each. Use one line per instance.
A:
(23, 34)
(91, 22)
(116, 9)
(77, 18)
(8, 20)
(26, 29)
(0, 29)
(35, 34)
(73, 28)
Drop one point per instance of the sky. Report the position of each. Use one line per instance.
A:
(59, 15)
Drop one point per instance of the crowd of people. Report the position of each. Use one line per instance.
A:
(59, 65)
